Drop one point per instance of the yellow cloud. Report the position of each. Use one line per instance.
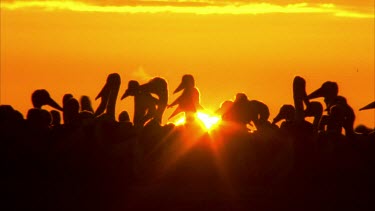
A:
(236, 8)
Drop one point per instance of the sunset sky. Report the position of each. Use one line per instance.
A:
(255, 47)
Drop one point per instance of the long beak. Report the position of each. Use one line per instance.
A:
(277, 118)
(369, 106)
(125, 95)
(53, 104)
(317, 93)
(179, 88)
(105, 90)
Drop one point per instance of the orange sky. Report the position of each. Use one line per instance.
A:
(70, 47)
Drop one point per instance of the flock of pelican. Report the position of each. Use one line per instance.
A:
(151, 101)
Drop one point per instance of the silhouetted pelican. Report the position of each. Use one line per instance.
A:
(245, 111)
(258, 113)
(39, 118)
(299, 96)
(71, 111)
(41, 97)
(86, 104)
(340, 114)
(286, 112)
(239, 110)
(109, 96)
(144, 103)
(159, 87)
(224, 109)
(66, 98)
(124, 117)
(369, 106)
(314, 109)
(56, 118)
(189, 100)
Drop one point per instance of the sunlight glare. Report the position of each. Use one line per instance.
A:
(208, 120)
(180, 121)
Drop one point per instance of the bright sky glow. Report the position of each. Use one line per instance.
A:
(209, 8)
(70, 46)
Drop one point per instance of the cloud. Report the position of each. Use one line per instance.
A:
(140, 75)
(199, 7)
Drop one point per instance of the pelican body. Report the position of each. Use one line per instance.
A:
(159, 87)
(108, 96)
(245, 111)
(189, 100)
(144, 103)
(340, 114)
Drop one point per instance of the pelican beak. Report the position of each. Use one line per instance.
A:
(126, 94)
(104, 91)
(180, 87)
(53, 104)
(317, 93)
(277, 118)
(369, 106)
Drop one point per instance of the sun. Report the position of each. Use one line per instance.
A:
(209, 121)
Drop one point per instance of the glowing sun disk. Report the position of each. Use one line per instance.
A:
(208, 120)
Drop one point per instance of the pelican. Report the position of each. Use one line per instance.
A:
(86, 104)
(56, 118)
(299, 97)
(286, 112)
(245, 111)
(108, 96)
(369, 106)
(39, 119)
(340, 114)
(158, 86)
(144, 103)
(41, 97)
(66, 98)
(71, 111)
(314, 109)
(189, 100)
(258, 113)
(224, 109)
(239, 111)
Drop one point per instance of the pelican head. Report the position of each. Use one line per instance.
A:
(71, 110)
(299, 87)
(314, 109)
(124, 117)
(241, 97)
(66, 98)
(41, 97)
(187, 82)
(86, 104)
(286, 112)
(224, 107)
(133, 88)
(329, 89)
(113, 80)
(39, 118)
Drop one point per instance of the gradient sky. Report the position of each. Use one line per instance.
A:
(229, 46)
